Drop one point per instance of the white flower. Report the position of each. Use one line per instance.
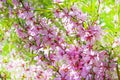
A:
(107, 9)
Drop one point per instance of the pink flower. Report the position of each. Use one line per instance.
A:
(33, 31)
(116, 42)
(20, 33)
(84, 72)
(15, 3)
(11, 12)
(37, 39)
(3, 1)
(1, 5)
(57, 13)
(58, 1)
(92, 34)
(27, 7)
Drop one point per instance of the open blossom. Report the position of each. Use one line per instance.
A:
(58, 1)
(92, 34)
(116, 42)
(21, 33)
(1, 5)
(15, 3)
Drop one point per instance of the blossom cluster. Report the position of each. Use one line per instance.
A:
(57, 59)
(17, 67)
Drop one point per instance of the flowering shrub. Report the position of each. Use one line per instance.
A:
(65, 48)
